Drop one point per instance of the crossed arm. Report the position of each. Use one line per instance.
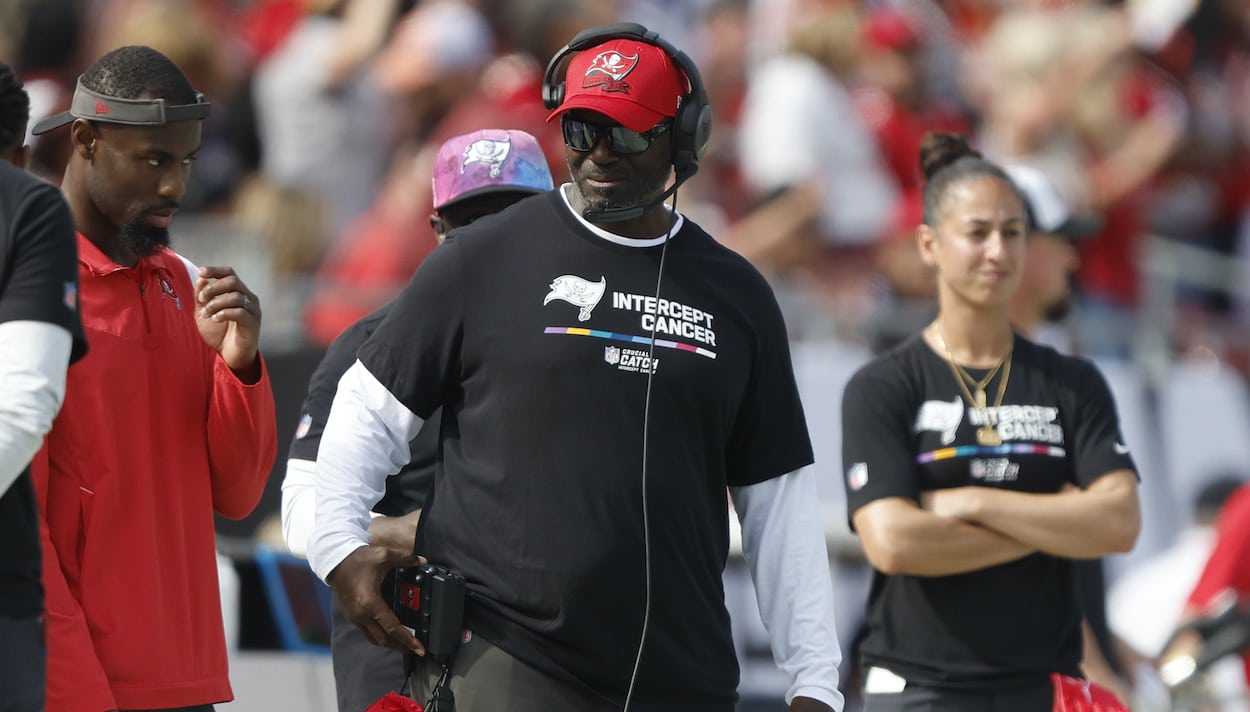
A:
(963, 529)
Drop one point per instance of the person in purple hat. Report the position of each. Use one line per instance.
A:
(605, 370)
(475, 174)
(483, 172)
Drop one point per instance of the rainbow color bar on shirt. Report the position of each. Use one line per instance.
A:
(629, 339)
(947, 453)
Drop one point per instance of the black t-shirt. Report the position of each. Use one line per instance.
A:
(532, 332)
(406, 490)
(908, 429)
(38, 282)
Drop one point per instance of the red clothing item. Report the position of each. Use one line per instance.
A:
(1109, 259)
(899, 131)
(1228, 566)
(156, 433)
(367, 266)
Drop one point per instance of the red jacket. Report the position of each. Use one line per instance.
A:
(156, 433)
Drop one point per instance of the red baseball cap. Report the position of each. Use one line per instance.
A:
(635, 83)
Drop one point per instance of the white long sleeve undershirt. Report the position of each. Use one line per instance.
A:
(34, 356)
(365, 441)
(783, 542)
(299, 504)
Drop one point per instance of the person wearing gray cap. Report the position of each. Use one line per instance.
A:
(167, 421)
(1045, 292)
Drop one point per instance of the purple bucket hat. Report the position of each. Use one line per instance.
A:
(489, 161)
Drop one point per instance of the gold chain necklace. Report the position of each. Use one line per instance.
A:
(987, 434)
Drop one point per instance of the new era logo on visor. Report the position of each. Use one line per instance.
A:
(609, 69)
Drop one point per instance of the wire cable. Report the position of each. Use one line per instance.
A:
(646, 432)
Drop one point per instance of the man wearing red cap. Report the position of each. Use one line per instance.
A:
(602, 382)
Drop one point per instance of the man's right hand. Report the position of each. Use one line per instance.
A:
(357, 582)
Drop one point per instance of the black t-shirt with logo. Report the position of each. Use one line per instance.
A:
(38, 282)
(906, 429)
(531, 331)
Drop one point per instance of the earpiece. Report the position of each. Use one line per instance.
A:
(692, 126)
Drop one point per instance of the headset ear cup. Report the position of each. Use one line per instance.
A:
(692, 130)
(553, 95)
(683, 156)
(703, 130)
(553, 85)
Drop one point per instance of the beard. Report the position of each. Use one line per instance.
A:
(643, 188)
(144, 239)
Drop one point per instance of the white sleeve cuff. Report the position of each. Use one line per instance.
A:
(820, 694)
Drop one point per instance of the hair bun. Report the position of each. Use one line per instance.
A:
(939, 150)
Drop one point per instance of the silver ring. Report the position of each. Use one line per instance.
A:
(246, 301)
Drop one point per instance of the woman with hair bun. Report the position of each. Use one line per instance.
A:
(978, 466)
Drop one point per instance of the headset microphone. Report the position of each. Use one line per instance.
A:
(612, 215)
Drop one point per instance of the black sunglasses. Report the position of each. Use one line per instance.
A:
(582, 136)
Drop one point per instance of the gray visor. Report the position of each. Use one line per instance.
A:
(91, 105)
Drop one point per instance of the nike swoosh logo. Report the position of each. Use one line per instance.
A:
(1120, 449)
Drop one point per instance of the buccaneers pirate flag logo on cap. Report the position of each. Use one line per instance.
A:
(608, 71)
(634, 83)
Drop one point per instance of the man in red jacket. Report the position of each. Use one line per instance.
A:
(169, 418)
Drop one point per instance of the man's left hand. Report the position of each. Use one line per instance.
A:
(807, 704)
(228, 315)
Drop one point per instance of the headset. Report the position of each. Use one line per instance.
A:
(692, 127)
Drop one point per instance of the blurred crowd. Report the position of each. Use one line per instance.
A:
(326, 113)
(314, 177)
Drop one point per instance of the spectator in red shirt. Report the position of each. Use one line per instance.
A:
(1226, 571)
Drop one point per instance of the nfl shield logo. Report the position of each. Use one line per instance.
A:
(305, 424)
(612, 354)
(857, 476)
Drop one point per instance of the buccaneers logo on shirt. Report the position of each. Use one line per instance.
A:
(577, 291)
(608, 70)
(941, 416)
